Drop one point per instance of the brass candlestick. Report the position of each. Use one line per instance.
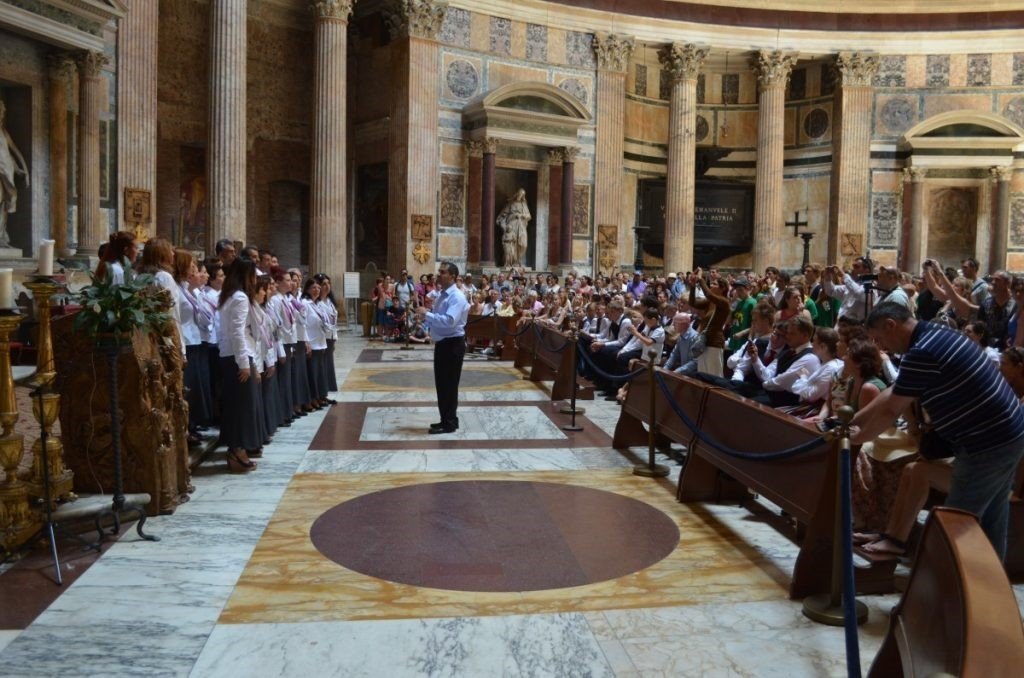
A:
(61, 479)
(17, 521)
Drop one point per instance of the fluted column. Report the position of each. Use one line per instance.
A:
(914, 189)
(613, 52)
(1001, 177)
(772, 70)
(414, 173)
(474, 191)
(226, 149)
(568, 205)
(849, 212)
(91, 229)
(487, 224)
(136, 101)
(555, 159)
(62, 71)
(683, 63)
(328, 235)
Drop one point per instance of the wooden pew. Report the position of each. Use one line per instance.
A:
(494, 329)
(958, 615)
(1015, 533)
(547, 353)
(804, 485)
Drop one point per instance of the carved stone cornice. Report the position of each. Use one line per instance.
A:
(914, 175)
(61, 66)
(856, 69)
(613, 51)
(415, 18)
(475, 148)
(772, 67)
(491, 145)
(90, 64)
(332, 9)
(683, 62)
(997, 174)
(569, 154)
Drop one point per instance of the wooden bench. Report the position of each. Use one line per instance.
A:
(548, 355)
(804, 485)
(494, 329)
(958, 615)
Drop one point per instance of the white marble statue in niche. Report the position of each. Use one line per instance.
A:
(513, 220)
(12, 163)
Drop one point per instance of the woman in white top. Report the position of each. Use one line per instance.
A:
(121, 251)
(263, 330)
(158, 260)
(279, 308)
(330, 307)
(240, 418)
(316, 339)
(193, 317)
(814, 388)
(300, 376)
(212, 275)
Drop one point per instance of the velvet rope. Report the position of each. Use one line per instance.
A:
(543, 340)
(617, 378)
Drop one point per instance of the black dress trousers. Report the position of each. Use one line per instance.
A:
(448, 356)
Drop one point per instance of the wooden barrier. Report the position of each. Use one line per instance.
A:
(548, 354)
(494, 329)
(803, 485)
(958, 615)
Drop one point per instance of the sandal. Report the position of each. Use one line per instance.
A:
(255, 454)
(238, 465)
(867, 537)
(885, 548)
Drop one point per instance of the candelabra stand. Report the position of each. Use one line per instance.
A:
(17, 521)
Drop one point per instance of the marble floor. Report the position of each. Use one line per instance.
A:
(237, 586)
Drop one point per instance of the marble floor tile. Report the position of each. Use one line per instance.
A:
(442, 461)
(541, 645)
(430, 397)
(475, 423)
(7, 637)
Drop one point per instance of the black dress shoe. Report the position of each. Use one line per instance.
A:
(440, 424)
(443, 429)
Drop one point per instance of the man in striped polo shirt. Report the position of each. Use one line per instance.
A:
(971, 405)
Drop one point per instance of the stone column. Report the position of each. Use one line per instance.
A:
(849, 211)
(487, 204)
(227, 137)
(1001, 177)
(91, 229)
(62, 71)
(328, 232)
(414, 174)
(555, 160)
(613, 52)
(914, 188)
(683, 63)
(474, 192)
(568, 205)
(772, 70)
(136, 103)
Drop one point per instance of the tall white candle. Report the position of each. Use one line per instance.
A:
(6, 288)
(46, 257)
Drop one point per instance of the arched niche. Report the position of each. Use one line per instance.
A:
(534, 113)
(962, 140)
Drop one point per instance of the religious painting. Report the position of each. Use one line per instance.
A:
(422, 227)
(581, 210)
(137, 206)
(952, 222)
(190, 231)
(851, 245)
(453, 200)
(371, 236)
(607, 247)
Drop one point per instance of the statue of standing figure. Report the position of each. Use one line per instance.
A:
(12, 163)
(513, 220)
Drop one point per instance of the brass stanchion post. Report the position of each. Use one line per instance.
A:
(17, 521)
(652, 469)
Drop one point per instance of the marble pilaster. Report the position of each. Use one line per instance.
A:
(914, 189)
(474, 190)
(414, 26)
(568, 206)
(62, 72)
(613, 53)
(849, 211)
(1001, 177)
(772, 69)
(227, 136)
(137, 102)
(91, 229)
(328, 232)
(555, 160)
(683, 64)
(487, 225)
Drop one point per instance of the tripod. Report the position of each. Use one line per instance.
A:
(49, 525)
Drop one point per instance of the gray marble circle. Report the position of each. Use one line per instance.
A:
(898, 114)
(575, 87)
(816, 123)
(702, 128)
(1014, 110)
(462, 79)
(424, 378)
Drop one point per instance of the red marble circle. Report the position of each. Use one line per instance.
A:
(494, 535)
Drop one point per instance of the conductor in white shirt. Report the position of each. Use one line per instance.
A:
(447, 326)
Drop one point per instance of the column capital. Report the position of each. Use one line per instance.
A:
(555, 157)
(415, 18)
(856, 69)
(491, 145)
(997, 174)
(613, 51)
(914, 175)
(772, 67)
(569, 154)
(332, 9)
(475, 148)
(682, 61)
(61, 66)
(90, 64)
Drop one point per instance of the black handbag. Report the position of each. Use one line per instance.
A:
(931, 445)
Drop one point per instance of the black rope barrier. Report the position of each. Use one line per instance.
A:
(520, 333)
(724, 449)
(543, 340)
(481, 318)
(616, 378)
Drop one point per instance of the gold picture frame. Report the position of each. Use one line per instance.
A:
(137, 206)
(422, 226)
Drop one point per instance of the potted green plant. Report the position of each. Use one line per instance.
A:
(112, 311)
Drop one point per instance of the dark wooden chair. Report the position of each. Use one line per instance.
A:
(958, 615)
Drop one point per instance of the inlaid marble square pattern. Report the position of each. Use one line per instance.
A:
(1017, 221)
(640, 81)
(475, 423)
(730, 88)
(421, 378)
(456, 28)
(938, 70)
(536, 42)
(884, 219)
(501, 36)
(892, 72)
(979, 70)
(579, 49)
(1018, 68)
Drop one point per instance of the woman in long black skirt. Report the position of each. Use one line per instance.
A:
(209, 297)
(191, 317)
(330, 308)
(240, 419)
(316, 338)
(266, 350)
(300, 371)
(279, 308)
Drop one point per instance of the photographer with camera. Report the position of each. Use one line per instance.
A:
(854, 290)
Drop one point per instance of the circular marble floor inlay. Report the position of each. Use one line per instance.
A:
(495, 535)
(424, 378)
